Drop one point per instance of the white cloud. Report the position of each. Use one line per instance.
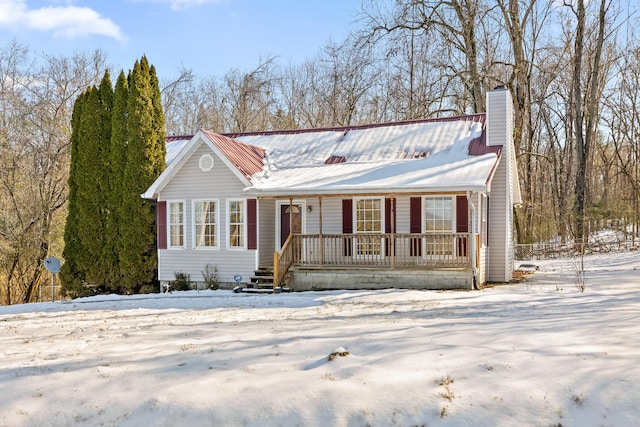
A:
(61, 21)
(182, 4)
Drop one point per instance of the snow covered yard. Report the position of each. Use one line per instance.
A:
(536, 353)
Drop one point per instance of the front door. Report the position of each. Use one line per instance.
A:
(290, 221)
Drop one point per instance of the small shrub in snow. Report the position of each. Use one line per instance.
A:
(210, 276)
(148, 289)
(182, 282)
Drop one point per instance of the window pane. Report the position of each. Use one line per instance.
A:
(236, 223)
(176, 224)
(439, 214)
(205, 222)
(369, 221)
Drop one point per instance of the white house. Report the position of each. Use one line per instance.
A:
(419, 204)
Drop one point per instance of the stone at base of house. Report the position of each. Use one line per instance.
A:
(307, 280)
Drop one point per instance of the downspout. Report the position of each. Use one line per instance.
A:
(474, 249)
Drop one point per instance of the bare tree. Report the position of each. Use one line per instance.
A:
(248, 99)
(452, 24)
(36, 102)
(586, 100)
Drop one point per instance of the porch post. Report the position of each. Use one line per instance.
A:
(321, 257)
(393, 231)
(290, 215)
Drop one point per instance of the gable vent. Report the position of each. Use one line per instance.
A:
(206, 162)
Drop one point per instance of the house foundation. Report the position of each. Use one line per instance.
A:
(369, 278)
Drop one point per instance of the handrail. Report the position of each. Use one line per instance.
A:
(393, 250)
(282, 261)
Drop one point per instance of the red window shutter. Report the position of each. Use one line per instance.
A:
(390, 220)
(415, 225)
(388, 211)
(161, 221)
(347, 225)
(462, 214)
(462, 223)
(252, 224)
(415, 215)
(347, 216)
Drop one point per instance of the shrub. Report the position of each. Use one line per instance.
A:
(210, 276)
(148, 289)
(182, 282)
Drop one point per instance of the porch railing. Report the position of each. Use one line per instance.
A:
(428, 250)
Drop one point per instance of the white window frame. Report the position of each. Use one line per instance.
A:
(195, 225)
(453, 213)
(442, 247)
(243, 247)
(170, 244)
(356, 251)
(484, 220)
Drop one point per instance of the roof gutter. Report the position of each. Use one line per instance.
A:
(312, 193)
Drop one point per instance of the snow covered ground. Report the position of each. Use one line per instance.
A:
(536, 353)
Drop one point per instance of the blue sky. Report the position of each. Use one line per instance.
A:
(208, 36)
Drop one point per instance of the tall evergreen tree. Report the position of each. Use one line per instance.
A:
(88, 216)
(71, 274)
(118, 150)
(144, 162)
(100, 267)
(118, 153)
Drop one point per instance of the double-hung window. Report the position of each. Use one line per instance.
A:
(368, 220)
(439, 220)
(205, 224)
(237, 223)
(176, 224)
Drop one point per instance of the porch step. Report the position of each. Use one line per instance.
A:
(261, 283)
(262, 278)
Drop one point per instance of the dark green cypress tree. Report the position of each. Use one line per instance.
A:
(71, 274)
(144, 162)
(85, 228)
(91, 171)
(118, 152)
(100, 268)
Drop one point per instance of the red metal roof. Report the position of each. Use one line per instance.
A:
(478, 146)
(332, 160)
(248, 159)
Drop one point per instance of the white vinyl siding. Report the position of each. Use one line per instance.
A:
(500, 241)
(266, 231)
(221, 184)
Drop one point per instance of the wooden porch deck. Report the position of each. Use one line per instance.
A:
(387, 251)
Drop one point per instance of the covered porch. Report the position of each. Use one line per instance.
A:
(408, 260)
(379, 246)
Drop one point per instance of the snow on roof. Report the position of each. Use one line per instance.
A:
(429, 154)
(446, 154)
(295, 149)
(174, 145)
